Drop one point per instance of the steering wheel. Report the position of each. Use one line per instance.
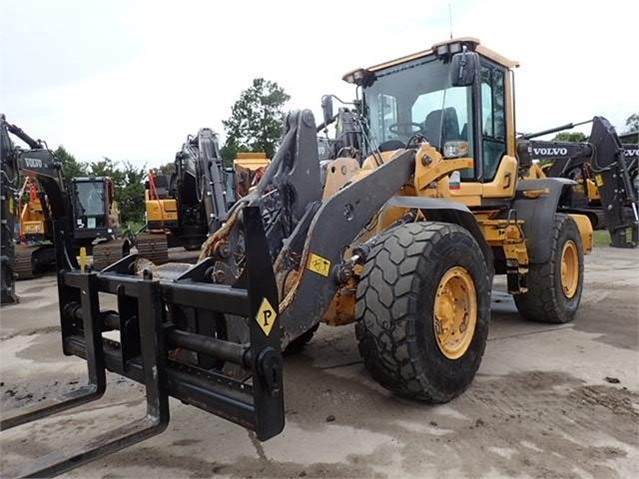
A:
(395, 127)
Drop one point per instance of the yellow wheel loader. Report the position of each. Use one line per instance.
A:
(402, 238)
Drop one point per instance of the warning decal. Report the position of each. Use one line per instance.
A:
(266, 316)
(319, 265)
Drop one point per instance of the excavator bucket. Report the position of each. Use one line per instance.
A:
(168, 354)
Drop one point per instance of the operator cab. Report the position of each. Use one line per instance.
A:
(454, 96)
(91, 197)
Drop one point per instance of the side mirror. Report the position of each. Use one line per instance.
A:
(327, 109)
(463, 67)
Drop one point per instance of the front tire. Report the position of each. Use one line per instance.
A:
(554, 287)
(423, 307)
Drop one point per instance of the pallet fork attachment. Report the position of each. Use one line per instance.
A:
(149, 339)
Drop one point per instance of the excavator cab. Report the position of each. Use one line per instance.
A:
(93, 200)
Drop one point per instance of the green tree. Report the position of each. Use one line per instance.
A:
(132, 205)
(632, 123)
(167, 168)
(256, 121)
(570, 136)
(129, 186)
(107, 167)
(71, 167)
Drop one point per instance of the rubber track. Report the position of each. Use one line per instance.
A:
(23, 267)
(107, 253)
(153, 247)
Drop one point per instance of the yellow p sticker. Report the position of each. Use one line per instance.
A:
(266, 316)
(599, 181)
(319, 265)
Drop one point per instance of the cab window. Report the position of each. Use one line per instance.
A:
(493, 119)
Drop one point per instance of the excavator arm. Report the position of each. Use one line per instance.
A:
(201, 159)
(612, 165)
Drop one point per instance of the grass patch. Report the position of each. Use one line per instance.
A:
(601, 238)
(132, 226)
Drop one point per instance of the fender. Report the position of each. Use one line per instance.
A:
(447, 211)
(539, 213)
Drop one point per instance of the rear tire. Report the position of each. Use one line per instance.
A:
(397, 297)
(551, 299)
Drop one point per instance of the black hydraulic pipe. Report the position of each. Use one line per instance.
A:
(567, 126)
(17, 131)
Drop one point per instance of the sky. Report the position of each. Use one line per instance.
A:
(130, 79)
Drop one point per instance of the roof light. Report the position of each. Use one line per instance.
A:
(360, 77)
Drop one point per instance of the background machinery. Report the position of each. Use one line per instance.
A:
(34, 251)
(96, 216)
(96, 226)
(403, 239)
(247, 171)
(183, 208)
(9, 184)
(606, 189)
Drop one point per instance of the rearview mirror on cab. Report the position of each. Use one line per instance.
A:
(327, 109)
(463, 67)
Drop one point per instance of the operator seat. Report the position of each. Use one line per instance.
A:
(434, 126)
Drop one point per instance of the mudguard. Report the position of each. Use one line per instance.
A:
(446, 211)
(539, 213)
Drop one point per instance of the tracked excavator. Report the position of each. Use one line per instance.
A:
(96, 216)
(402, 238)
(183, 208)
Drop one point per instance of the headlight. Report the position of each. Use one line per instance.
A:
(455, 149)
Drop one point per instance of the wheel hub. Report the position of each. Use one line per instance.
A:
(455, 315)
(569, 269)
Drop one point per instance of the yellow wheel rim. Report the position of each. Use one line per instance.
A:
(455, 315)
(570, 269)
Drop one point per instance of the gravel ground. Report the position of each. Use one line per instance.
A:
(548, 401)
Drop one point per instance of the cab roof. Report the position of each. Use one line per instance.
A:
(473, 44)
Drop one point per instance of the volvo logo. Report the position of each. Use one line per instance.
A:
(555, 151)
(33, 163)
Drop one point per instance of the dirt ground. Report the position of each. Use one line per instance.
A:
(548, 401)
